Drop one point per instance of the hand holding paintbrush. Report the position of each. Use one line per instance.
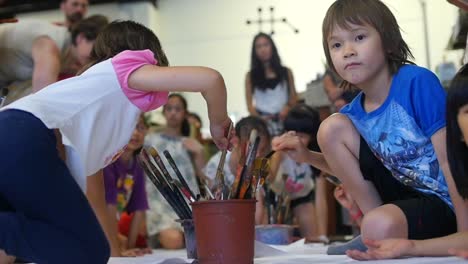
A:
(221, 190)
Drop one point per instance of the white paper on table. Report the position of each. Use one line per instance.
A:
(265, 250)
(299, 247)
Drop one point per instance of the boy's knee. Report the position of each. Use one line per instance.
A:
(384, 222)
(332, 129)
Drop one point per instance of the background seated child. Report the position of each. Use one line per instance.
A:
(243, 129)
(304, 185)
(124, 182)
(188, 154)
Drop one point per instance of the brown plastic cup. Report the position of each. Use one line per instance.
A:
(225, 231)
(189, 236)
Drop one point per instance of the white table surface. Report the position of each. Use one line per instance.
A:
(292, 254)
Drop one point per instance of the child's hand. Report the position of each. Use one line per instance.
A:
(462, 253)
(136, 252)
(192, 145)
(219, 133)
(383, 249)
(130, 253)
(291, 144)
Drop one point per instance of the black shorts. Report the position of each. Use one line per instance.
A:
(309, 198)
(427, 215)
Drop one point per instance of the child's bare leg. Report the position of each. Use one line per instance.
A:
(260, 208)
(339, 142)
(307, 220)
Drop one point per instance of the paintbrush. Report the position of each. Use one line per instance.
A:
(270, 154)
(246, 176)
(221, 190)
(184, 191)
(179, 175)
(240, 165)
(170, 189)
(258, 171)
(155, 155)
(163, 188)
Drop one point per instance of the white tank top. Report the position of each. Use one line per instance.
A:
(271, 101)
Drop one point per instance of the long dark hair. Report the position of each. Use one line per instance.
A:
(375, 13)
(457, 150)
(257, 70)
(185, 129)
(126, 35)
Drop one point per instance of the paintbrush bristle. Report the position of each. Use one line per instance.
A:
(152, 151)
(253, 136)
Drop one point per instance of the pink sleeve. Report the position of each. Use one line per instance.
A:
(124, 64)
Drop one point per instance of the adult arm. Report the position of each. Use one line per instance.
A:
(46, 58)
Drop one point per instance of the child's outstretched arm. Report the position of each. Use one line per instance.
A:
(461, 206)
(291, 144)
(207, 81)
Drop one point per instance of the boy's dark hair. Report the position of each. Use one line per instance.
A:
(246, 124)
(257, 70)
(185, 129)
(305, 119)
(126, 35)
(376, 14)
(90, 27)
(457, 150)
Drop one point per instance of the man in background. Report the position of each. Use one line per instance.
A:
(74, 11)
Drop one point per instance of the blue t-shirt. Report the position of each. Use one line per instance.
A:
(399, 131)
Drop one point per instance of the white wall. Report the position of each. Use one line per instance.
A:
(214, 33)
(142, 12)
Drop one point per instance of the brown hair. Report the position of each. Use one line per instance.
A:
(376, 14)
(90, 27)
(126, 35)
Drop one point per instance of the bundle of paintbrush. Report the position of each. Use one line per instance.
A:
(251, 171)
(173, 190)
